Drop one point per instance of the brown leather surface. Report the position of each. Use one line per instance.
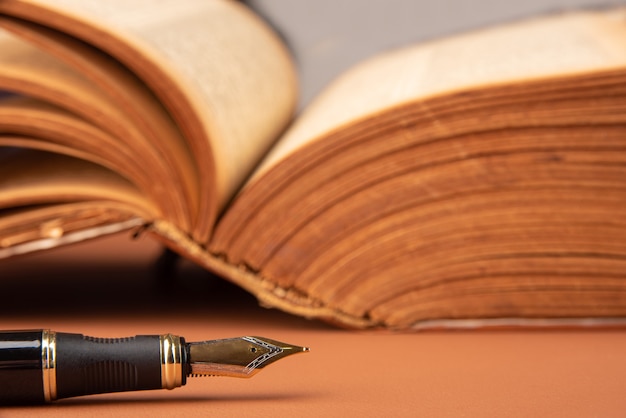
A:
(108, 288)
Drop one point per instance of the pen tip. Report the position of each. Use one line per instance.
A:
(237, 357)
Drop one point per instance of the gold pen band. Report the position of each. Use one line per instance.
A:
(48, 365)
(171, 361)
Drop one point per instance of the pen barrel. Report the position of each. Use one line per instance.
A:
(21, 367)
(40, 365)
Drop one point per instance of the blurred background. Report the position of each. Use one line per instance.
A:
(329, 36)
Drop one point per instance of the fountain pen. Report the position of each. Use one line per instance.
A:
(38, 366)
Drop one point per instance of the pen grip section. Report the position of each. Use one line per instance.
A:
(87, 365)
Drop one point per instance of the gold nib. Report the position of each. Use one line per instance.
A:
(237, 357)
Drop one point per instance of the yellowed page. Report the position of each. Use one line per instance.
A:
(33, 178)
(226, 78)
(40, 227)
(547, 47)
(47, 200)
(30, 71)
(132, 120)
(32, 124)
(499, 145)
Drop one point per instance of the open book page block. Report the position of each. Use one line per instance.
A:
(469, 181)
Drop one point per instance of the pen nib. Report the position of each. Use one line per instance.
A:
(237, 357)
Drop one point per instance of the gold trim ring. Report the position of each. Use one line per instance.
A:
(171, 361)
(49, 364)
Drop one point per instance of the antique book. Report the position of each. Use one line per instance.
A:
(469, 180)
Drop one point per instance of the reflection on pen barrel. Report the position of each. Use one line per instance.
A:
(21, 374)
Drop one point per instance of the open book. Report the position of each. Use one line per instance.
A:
(476, 178)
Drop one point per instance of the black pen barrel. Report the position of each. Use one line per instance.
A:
(21, 371)
(40, 366)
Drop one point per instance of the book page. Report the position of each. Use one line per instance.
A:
(226, 79)
(546, 47)
(98, 90)
(29, 177)
(30, 71)
(504, 144)
(37, 125)
(31, 124)
(48, 199)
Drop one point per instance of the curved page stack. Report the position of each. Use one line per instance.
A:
(468, 181)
